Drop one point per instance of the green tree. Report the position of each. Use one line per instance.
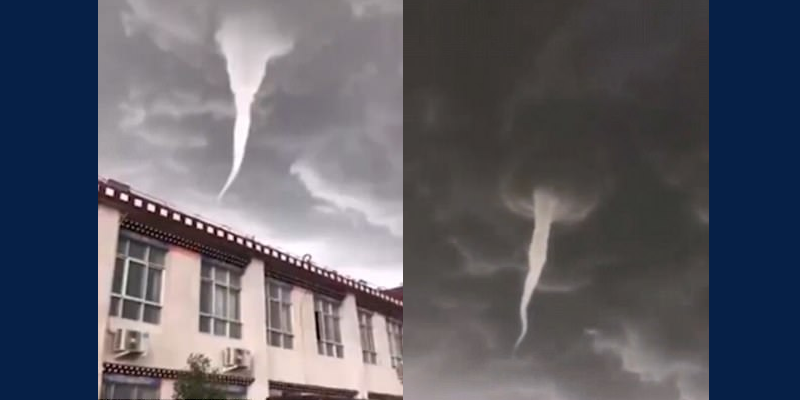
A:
(196, 384)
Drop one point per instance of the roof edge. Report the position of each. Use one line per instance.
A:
(119, 195)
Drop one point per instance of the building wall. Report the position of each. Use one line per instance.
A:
(304, 365)
(107, 232)
(178, 335)
(382, 378)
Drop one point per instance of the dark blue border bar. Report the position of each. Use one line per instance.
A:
(49, 81)
(754, 259)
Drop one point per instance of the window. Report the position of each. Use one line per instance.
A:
(279, 315)
(367, 337)
(138, 274)
(288, 394)
(395, 330)
(220, 289)
(233, 392)
(126, 391)
(329, 334)
(118, 387)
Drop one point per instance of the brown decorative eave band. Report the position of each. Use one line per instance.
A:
(295, 390)
(164, 373)
(274, 272)
(131, 224)
(370, 303)
(142, 213)
(383, 396)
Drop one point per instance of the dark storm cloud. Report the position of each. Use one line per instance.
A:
(323, 168)
(606, 100)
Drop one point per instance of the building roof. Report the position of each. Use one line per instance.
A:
(397, 293)
(147, 216)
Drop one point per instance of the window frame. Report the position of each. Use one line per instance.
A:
(366, 329)
(111, 383)
(210, 316)
(326, 345)
(233, 392)
(394, 330)
(126, 258)
(285, 332)
(109, 388)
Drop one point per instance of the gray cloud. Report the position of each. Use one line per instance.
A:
(607, 101)
(323, 172)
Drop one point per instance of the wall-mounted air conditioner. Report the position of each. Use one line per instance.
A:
(130, 342)
(236, 359)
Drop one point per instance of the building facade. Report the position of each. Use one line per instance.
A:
(172, 285)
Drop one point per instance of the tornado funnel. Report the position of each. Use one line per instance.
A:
(547, 207)
(247, 42)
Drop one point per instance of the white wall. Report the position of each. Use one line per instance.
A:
(382, 378)
(177, 336)
(107, 232)
(305, 365)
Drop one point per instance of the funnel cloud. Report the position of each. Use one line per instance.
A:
(548, 209)
(294, 80)
(556, 153)
(247, 42)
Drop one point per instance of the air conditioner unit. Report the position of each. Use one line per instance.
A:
(128, 341)
(235, 359)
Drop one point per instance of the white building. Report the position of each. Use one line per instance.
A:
(170, 285)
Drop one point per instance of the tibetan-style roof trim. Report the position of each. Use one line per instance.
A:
(166, 373)
(397, 293)
(296, 390)
(132, 225)
(145, 215)
(383, 396)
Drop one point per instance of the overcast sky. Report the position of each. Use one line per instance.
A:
(324, 164)
(608, 99)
